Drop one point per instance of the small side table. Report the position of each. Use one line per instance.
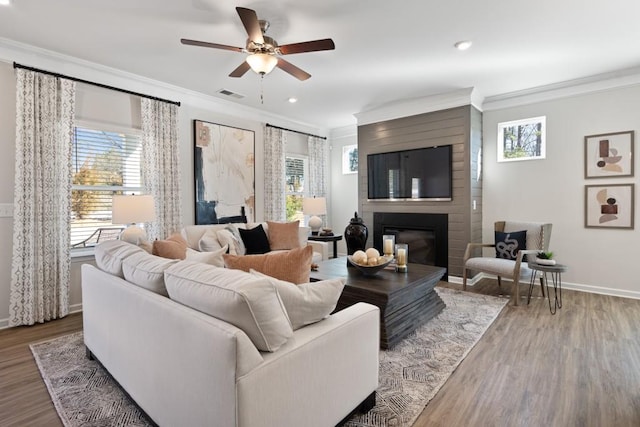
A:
(334, 239)
(555, 271)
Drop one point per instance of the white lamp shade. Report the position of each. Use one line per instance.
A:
(314, 205)
(132, 209)
(262, 63)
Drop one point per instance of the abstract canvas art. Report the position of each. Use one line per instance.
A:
(608, 155)
(224, 173)
(609, 206)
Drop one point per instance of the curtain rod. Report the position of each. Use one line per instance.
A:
(296, 131)
(16, 65)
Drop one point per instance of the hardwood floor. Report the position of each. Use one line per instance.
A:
(580, 367)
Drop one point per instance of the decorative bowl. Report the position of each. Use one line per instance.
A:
(370, 270)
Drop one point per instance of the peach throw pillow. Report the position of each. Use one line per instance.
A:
(292, 266)
(283, 235)
(175, 247)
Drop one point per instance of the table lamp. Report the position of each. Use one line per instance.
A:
(132, 210)
(314, 206)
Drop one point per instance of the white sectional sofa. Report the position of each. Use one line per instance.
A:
(187, 368)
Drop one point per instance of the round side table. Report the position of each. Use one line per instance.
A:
(555, 271)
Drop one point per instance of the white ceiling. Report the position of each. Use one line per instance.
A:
(385, 50)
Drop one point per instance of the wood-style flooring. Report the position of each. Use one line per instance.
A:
(580, 367)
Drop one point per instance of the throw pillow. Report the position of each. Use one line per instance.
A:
(508, 244)
(255, 240)
(247, 302)
(212, 258)
(309, 302)
(228, 236)
(174, 247)
(284, 235)
(209, 241)
(293, 266)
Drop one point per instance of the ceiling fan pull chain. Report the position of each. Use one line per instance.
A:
(261, 89)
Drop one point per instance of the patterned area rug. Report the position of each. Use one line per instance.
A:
(411, 373)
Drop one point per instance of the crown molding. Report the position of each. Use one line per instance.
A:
(596, 83)
(12, 51)
(344, 132)
(415, 106)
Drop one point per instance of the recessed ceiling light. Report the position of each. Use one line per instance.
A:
(5, 2)
(463, 45)
(293, 100)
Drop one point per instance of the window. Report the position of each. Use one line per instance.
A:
(105, 162)
(521, 140)
(296, 169)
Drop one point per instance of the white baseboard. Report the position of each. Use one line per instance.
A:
(565, 285)
(74, 308)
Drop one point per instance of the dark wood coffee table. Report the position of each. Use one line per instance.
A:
(406, 300)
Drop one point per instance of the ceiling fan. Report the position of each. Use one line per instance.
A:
(264, 52)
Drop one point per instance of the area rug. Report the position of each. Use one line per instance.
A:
(411, 373)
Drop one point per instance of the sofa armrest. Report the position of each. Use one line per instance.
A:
(332, 365)
(320, 247)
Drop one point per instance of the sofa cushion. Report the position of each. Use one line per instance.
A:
(211, 258)
(110, 254)
(293, 266)
(508, 244)
(283, 235)
(307, 303)
(209, 241)
(174, 247)
(147, 271)
(255, 240)
(247, 302)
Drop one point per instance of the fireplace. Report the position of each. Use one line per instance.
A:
(426, 235)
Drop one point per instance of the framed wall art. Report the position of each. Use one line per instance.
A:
(522, 139)
(350, 159)
(608, 155)
(224, 173)
(609, 206)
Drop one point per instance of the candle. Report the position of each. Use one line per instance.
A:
(402, 256)
(388, 247)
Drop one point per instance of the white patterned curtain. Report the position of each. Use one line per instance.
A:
(40, 268)
(275, 141)
(318, 166)
(161, 166)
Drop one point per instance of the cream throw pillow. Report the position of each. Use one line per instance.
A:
(247, 302)
(309, 302)
(212, 258)
(209, 241)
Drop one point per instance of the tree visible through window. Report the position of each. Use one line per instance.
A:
(104, 163)
(295, 172)
(521, 139)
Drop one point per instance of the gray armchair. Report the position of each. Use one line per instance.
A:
(538, 236)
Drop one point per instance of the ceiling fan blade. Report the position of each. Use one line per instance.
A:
(250, 21)
(242, 68)
(311, 46)
(213, 45)
(292, 69)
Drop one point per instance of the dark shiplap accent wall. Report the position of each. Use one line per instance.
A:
(460, 127)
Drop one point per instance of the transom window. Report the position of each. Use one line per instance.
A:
(105, 162)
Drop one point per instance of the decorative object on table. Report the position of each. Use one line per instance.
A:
(402, 256)
(388, 243)
(545, 258)
(326, 232)
(224, 173)
(608, 155)
(609, 206)
(350, 159)
(132, 210)
(314, 206)
(355, 235)
(369, 262)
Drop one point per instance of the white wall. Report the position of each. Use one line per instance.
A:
(599, 260)
(344, 188)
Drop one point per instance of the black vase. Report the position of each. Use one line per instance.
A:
(355, 235)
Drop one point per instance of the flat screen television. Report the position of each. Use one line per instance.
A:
(419, 174)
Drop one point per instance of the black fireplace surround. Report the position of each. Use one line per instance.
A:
(426, 234)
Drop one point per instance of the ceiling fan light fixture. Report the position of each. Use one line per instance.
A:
(262, 63)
